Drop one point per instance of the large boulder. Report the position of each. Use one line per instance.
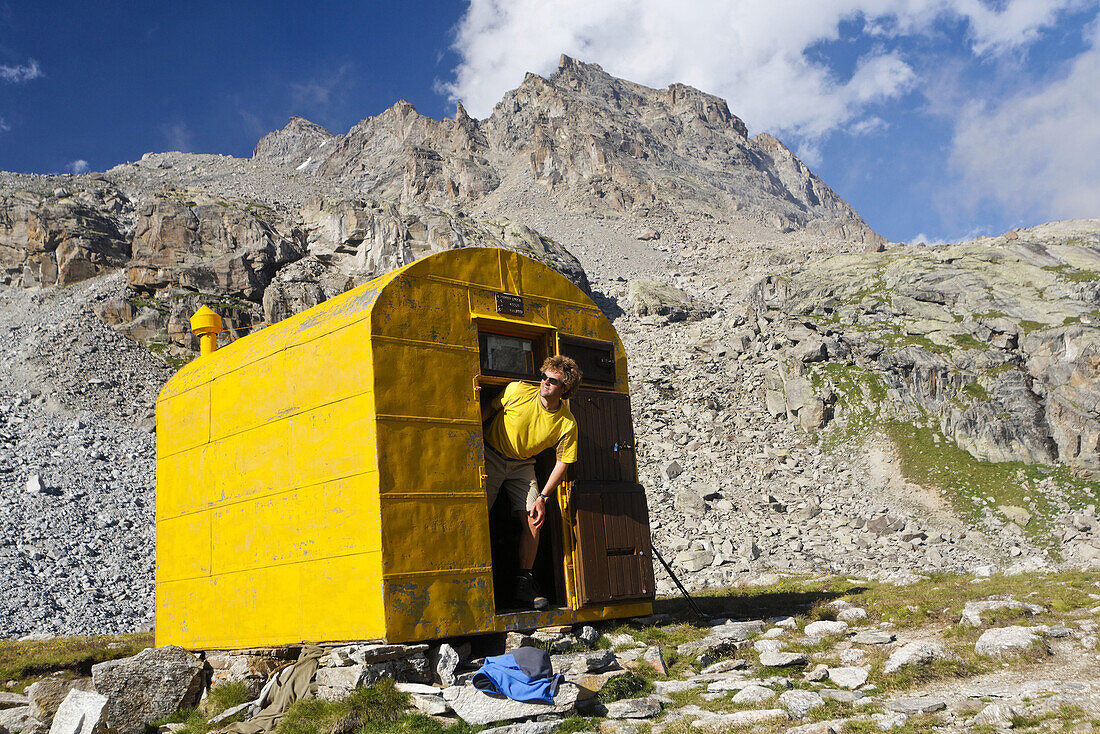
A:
(653, 298)
(148, 686)
(46, 695)
(82, 712)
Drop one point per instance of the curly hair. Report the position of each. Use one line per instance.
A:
(570, 373)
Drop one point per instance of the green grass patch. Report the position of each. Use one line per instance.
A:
(966, 341)
(930, 459)
(901, 340)
(850, 381)
(226, 696)
(1063, 718)
(628, 685)
(196, 720)
(789, 596)
(1070, 274)
(574, 724)
(25, 661)
(377, 709)
(1028, 326)
(976, 391)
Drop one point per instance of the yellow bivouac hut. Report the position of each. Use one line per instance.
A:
(322, 480)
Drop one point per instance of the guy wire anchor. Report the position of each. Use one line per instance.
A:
(694, 607)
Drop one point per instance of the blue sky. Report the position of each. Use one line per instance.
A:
(936, 119)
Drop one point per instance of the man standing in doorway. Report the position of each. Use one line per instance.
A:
(525, 420)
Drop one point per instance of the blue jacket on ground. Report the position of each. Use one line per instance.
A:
(525, 674)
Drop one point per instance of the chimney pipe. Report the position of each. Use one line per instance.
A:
(206, 325)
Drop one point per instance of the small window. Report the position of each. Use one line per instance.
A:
(512, 356)
(596, 359)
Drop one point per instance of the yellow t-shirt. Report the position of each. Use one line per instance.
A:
(523, 428)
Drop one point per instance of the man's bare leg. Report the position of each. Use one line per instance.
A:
(528, 541)
(526, 592)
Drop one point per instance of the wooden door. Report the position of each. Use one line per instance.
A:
(610, 516)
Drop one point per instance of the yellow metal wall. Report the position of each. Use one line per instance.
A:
(267, 487)
(320, 480)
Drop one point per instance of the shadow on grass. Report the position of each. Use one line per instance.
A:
(749, 603)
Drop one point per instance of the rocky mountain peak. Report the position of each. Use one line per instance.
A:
(293, 143)
(595, 142)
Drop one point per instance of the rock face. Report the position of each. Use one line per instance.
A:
(200, 244)
(595, 142)
(60, 239)
(148, 686)
(257, 266)
(996, 340)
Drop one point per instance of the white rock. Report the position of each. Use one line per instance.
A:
(477, 708)
(848, 677)
(768, 645)
(782, 659)
(754, 694)
(1006, 641)
(997, 715)
(633, 708)
(917, 653)
(82, 712)
(527, 727)
(730, 683)
(851, 614)
(823, 627)
(889, 721)
(799, 703)
(972, 612)
(665, 687)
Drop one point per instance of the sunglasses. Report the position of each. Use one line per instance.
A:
(552, 380)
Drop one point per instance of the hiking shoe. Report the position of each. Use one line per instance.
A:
(527, 594)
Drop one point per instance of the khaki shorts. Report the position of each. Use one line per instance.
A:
(516, 477)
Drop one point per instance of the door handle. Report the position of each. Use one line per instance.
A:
(622, 447)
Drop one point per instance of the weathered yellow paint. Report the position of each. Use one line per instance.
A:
(322, 480)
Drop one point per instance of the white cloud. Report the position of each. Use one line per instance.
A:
(1036, 153)
(868, 126)
(927, 239)
(78, 166)
(4, 126)
(21, 73)
(1014, 25)
(178, 136)
(319, 92)
(755, 55)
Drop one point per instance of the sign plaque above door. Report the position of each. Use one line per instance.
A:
(509, 304)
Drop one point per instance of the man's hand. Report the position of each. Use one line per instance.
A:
(537, 512)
